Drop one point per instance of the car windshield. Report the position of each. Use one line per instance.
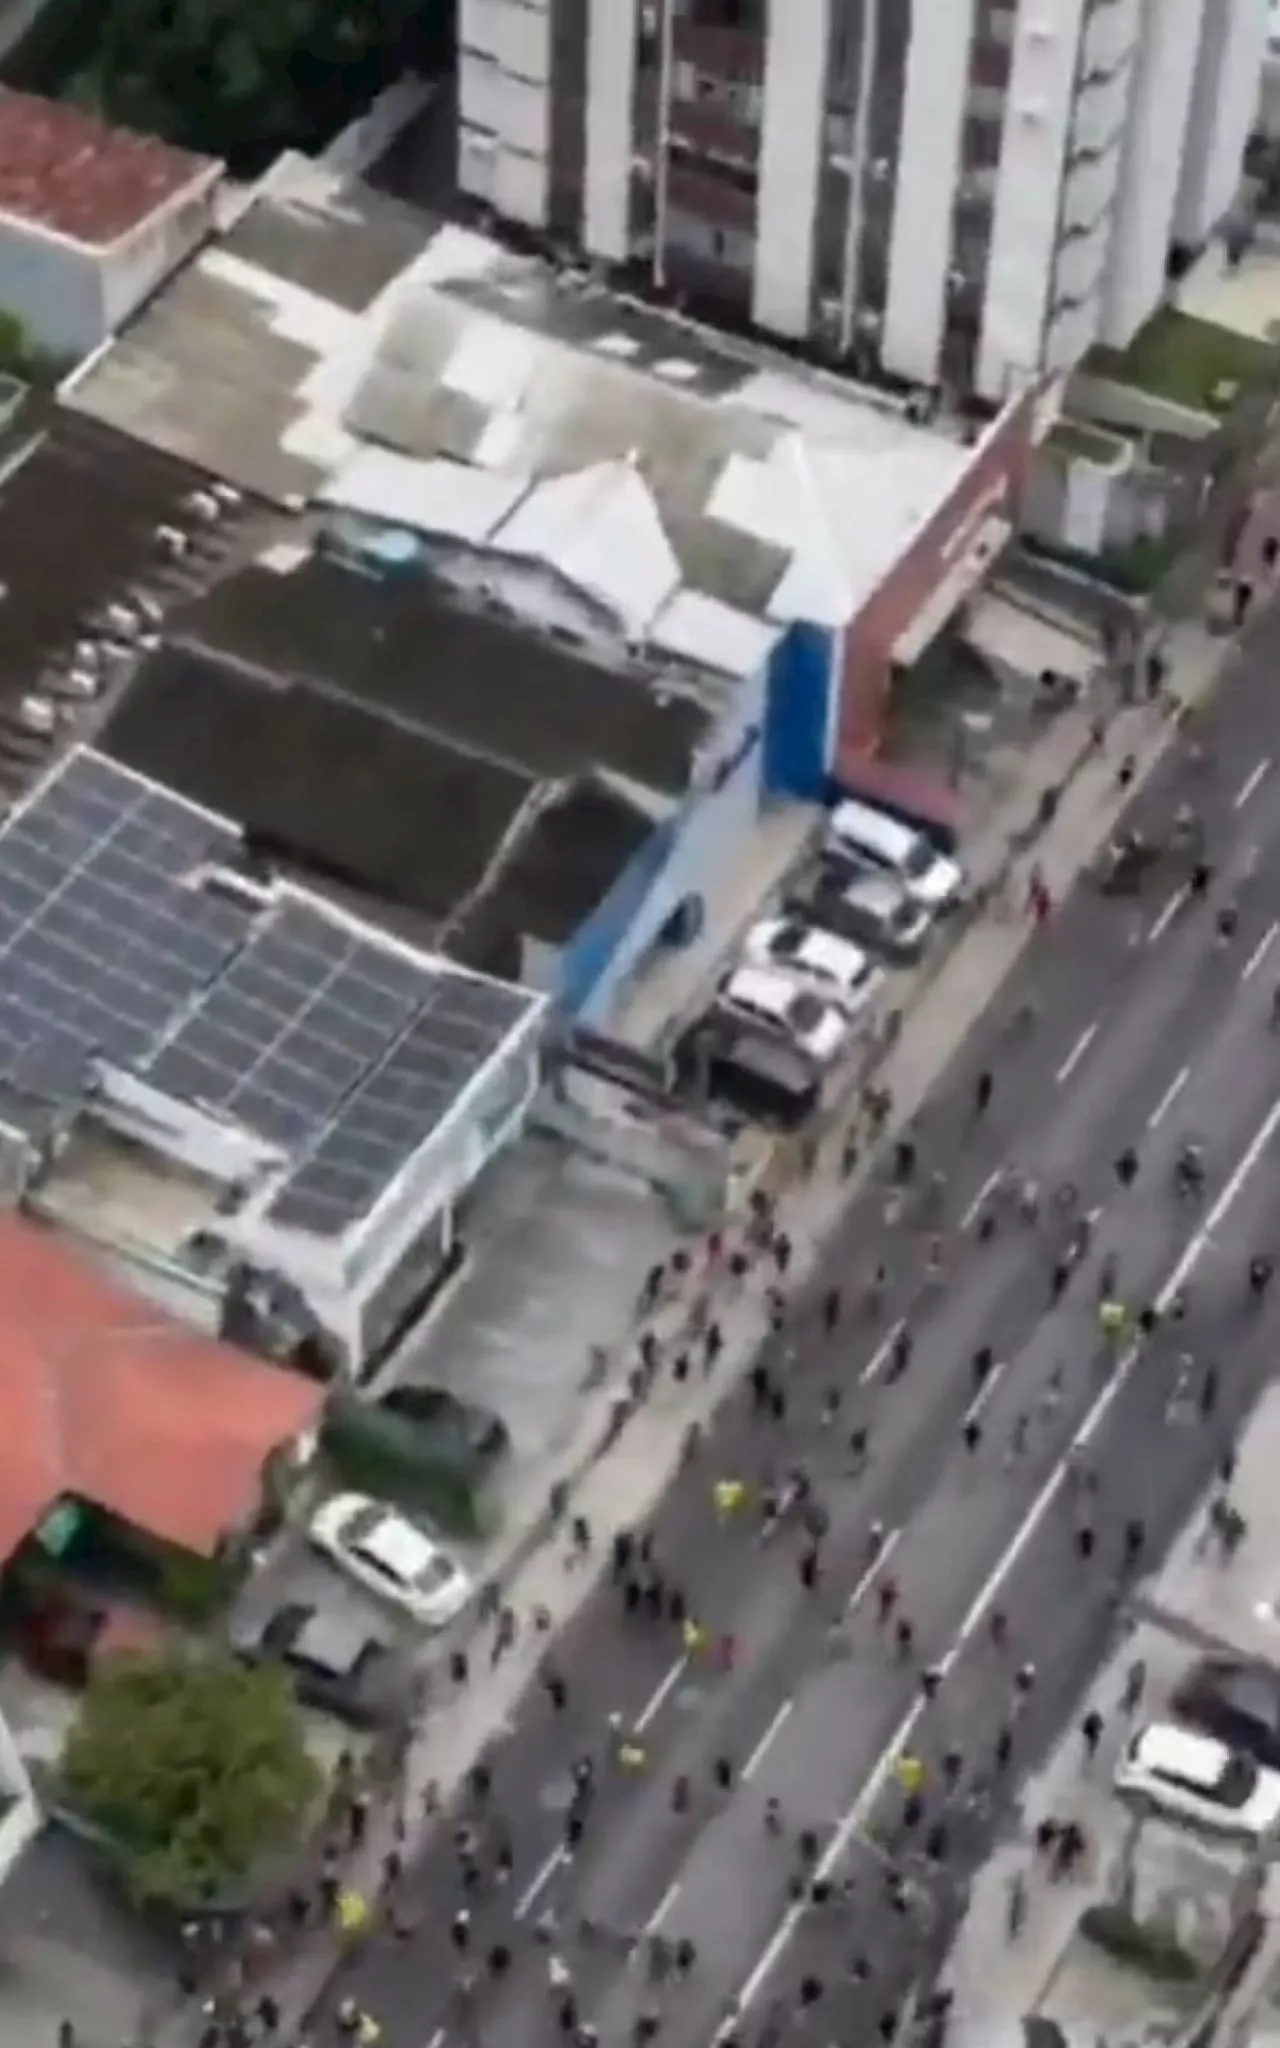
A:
(806, 1012)
(359, 1527)
(919, 860)
(788, 941)
(902, 919)
(435, 1573)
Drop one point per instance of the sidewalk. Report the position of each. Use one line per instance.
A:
(1182, 1884)
(621, 1485)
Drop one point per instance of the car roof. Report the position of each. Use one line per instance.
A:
(875, 891)
(1177, 1753)
(325, 1637)
(763, 988)
(876, 828)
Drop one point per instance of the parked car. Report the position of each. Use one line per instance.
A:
(831, 967)
(422, 1448)
(1193, 1778)
(335, 1664)
(764, 996)
(756, 1074)
(1237, 1703)
(873, 910)
(919, 797)
(393, 1557)
(870, 839)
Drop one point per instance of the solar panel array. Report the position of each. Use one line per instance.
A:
(295, 1023)
(340, 1049)
(462, 1024)
(101, 937)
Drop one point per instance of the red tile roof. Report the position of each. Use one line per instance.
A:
(63, 169)
(105, 1398)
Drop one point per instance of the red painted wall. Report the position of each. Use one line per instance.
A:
(994, 474)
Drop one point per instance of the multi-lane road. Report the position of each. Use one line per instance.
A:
(1147, 1031)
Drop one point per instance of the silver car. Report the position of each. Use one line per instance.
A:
(873, 911)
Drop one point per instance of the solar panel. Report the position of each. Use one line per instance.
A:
(101, 934)
(293, 1026)
(462, 1025)
(323, 1039)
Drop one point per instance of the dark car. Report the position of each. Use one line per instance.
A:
(1238, 1703)
(421, 1448)
(336, 1663)
(454, 1426)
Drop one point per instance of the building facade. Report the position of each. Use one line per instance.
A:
(92, 219)
(966, 192)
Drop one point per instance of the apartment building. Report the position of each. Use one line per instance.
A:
(966, 192)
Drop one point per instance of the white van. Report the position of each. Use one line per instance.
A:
(872, 840)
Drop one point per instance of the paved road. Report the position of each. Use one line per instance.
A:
(1143, 1035)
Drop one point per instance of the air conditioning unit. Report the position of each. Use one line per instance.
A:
(38, 715)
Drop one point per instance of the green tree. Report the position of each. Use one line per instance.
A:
(243, 82)
(194, 1768)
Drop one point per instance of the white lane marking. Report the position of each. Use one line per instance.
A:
(987, 1594)
(662, 1693)
(537, 1884)
(648, 1713)
(873, 1570)
(1076, 1054)
(663, 1907)
(880, 1356)
(975, 1207)
(771, 1733)
(1167, 1100)
(1260, 952)
(986, 1390)
(437, 2039)
(1167, 915)
(1249, 784)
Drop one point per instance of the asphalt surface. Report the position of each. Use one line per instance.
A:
(1147, 1031)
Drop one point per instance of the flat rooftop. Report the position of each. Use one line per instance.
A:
(479, 849)
(63, 169)
(305, 1057)
(482, 397)
(464, 672)
(80, 505)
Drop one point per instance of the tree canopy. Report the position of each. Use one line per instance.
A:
(244, 81)
(194, 1768)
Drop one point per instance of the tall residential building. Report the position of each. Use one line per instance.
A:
(971, 191)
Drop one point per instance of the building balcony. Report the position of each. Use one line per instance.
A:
(705, 193)
(1088, 191)
(720, 52)
(711, 132)
(1101, 106)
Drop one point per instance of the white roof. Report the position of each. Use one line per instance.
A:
(828, 954)
(715, 635)
(427, 497)
(1177, 1753)
(663, 469)
(600, 528)
(395, 1543)
(761, 988)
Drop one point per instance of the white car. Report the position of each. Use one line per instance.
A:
(765, 996)
(819, 960)
(1195, 1779)
(870, 839)
(392, 1557)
